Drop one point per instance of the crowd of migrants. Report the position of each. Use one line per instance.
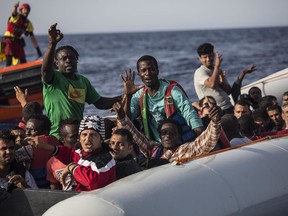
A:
(155, 123)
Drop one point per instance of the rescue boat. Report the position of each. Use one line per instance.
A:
(26, 76)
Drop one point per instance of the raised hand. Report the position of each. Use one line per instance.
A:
(128, 81)
(119, 110)
(218, 60)
(250, 69)
(21, 96)
(214, 111)
(54, 35)
(37, 142)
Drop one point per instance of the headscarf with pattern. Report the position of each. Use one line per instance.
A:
(93, 122)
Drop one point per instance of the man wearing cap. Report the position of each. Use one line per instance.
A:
(91, 166)
(19, 24)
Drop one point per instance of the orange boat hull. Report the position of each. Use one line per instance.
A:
(26, 76)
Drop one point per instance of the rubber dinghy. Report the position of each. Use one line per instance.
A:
(251, 179)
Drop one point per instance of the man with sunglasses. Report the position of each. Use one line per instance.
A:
(171, 146)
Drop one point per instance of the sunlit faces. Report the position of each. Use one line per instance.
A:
(170, 136)
(120, 148)
(90, 140)
(207, 60)
(66, 61)
(148, 73)
(7, 151)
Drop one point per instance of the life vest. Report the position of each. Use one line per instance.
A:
(170, 110)
(16, 26)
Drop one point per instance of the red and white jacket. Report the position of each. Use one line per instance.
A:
(94, 170)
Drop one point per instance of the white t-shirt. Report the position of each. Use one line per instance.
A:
(221, 97)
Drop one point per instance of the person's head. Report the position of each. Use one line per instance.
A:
(285, 97)
(7, 148)
(230, 126)
(255, 93)
(38, 125)
(285, 113)
(148, 71)
(66, 59)
(206, 55)
(91, 133)
(69, 132)
(247, 126)
(247, 98)
(121, 144)
(261, 119)
(204, 105)
(170, 132)
(241, 108)
(275, 114)
(19, 134)
(268, 100)
(24, 9)
(31, 108)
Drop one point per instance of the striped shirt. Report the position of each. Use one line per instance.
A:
(204, 143)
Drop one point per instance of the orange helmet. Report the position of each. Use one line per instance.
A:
(24, 6)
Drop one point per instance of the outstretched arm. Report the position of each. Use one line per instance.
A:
(206, 141)
(54, 36)
(144, 144)
(39, 143)
(35, 44)
(236, 88)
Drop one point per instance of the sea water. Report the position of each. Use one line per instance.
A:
(103, 57)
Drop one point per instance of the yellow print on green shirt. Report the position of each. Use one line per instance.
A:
(77, 95)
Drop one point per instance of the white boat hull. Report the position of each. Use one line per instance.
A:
(251, 180)
(275, 84)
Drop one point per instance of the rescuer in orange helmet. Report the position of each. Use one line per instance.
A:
(19, 25)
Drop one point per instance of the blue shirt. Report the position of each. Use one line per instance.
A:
(156, 108)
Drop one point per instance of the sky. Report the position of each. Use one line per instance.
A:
(109, 16)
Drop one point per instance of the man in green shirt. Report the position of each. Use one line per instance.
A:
(64, 90)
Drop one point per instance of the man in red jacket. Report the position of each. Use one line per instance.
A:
(92, 166)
